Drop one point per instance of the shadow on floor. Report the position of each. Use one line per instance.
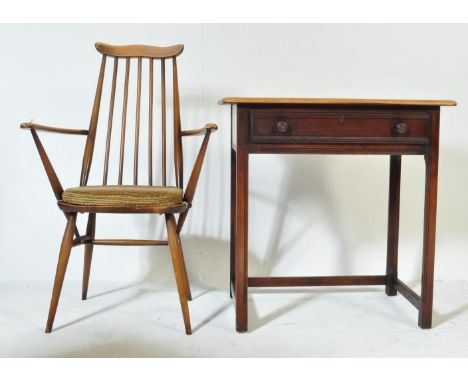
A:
(439, 318)
(256, 322)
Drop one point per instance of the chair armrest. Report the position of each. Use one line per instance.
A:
(49, 129)
(202, 131)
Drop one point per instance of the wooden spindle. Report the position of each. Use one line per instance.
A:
(163, 117)
(109, 123)
(89, 149)
(178, 159)
(124, 121)
(150, 125)
(137, 125)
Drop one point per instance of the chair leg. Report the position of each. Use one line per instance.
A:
(177, 262)
(88, 255)
(184, 270)
(64, 255)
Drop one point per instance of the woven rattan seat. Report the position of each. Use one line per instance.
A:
(125, 196)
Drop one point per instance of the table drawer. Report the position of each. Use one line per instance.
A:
(289, 126)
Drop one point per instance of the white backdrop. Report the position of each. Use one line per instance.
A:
(310, 215)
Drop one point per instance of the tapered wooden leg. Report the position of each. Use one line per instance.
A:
(184, 271)
(393, 224)
(64, 255)
(179, 273)
(430, 206)
(232, 262)
(241, 240)
(88, 255)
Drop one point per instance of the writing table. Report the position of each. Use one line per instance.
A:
(335, 126)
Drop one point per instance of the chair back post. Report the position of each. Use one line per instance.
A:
(89, 149)
(178, 159)
(110, 120)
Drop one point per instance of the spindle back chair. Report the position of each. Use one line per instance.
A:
(120, 198)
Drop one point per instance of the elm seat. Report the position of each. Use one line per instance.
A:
(123, 196)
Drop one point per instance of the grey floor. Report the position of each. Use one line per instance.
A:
(140, 320)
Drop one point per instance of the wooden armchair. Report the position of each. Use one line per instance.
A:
(135, 198)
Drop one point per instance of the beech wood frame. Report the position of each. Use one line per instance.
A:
(71, 236)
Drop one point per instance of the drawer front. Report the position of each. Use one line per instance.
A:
(386, 126)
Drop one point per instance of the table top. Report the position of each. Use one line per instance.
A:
(335, 101)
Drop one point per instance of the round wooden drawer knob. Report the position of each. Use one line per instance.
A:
(401, 128)
(281, 127)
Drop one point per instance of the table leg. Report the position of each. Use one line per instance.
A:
(232, 260)
(393, 224)
(241, 240)
(430, 206)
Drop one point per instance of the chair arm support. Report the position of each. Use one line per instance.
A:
(51, 174)
(49, 169)
(208, 127)
(50, 129)
(193, 180)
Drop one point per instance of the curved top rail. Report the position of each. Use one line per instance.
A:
(139, 50)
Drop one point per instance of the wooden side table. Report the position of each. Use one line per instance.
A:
(335, 126)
